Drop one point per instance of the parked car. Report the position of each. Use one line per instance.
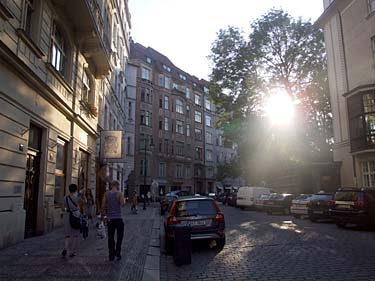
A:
(232, 199)
(166, 201)
(259, 201)
(222, 197)
(299, 205)
(201, 213)
(279, 203)
(318, 206)
(354, 206)
(246, 195)
(212, 195)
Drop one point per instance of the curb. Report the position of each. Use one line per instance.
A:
(151, 270)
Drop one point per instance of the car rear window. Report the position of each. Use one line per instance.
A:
(303, 197)
(348, 196)
(324, 197)
(195, 207)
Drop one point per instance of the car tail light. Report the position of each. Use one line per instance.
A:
(359, 203)
(172, 216)
(219, 218)
(331, 203)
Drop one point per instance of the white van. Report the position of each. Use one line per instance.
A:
(247, 194)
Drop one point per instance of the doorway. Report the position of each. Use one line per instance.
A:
(32, 181)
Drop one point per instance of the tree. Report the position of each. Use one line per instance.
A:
(280, 53)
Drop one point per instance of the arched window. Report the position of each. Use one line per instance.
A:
(179, 106)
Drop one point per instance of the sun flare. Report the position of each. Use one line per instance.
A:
(279, 108)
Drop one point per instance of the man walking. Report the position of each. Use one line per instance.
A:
(112, 202)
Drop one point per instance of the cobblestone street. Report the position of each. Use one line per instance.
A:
(39, 258)
(262, 247)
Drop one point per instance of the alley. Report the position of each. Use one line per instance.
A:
(262, 247)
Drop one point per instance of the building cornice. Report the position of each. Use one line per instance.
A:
(335, 7)
(360, 88)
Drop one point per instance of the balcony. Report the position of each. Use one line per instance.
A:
(85, 16)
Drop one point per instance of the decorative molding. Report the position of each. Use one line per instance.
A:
(30, 43)
(4, 11)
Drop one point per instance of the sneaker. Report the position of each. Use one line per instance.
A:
(63, 253)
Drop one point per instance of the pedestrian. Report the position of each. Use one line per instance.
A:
(111, 206)
(72, 204)
(90, 206)
(134, 202)
(148, 198)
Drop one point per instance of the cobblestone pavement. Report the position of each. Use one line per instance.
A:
(262, 247)
(39, 258)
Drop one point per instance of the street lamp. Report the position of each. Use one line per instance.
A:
(145, 172)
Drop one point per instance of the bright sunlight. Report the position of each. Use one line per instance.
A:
(279, 108)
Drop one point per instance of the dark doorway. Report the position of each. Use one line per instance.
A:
(32, 180)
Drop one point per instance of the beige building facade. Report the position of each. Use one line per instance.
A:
(59, 71)
(349, 29)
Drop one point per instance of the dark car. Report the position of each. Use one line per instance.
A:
(201, 213)
(278, 203)
(319, 205)
(166, 201)
(354, 206)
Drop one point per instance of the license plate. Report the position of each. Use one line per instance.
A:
(197, 222)
(318, 212)
(343, 206)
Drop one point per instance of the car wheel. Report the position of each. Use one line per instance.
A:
(220, 243)
(312, 219)
(297, 216)
(168, 246)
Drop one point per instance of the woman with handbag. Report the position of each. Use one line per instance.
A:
(72, 218)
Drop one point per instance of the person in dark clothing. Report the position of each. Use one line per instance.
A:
(112, 202)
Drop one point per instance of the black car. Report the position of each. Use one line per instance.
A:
(354, 206)
(278, 203)
(319, 205)
(201, 213)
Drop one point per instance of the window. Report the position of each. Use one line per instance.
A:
(166, 102)
(182, 77)
(166, 146)
(166, 124)
(174, 86)
(179, 127)
(198, 134)
(130, 113)
(160, 146)
(188, 93)
(187, 172)
(179, 148)
(188, 130)
(58, 56)
(29, 18)
(144, 168)
(146, 74)
(361, 109)
(187, 109)
(167, 68)
(209, 155)
(179, 171)
(207, 103)
(161, 81)
(146, 95)
(179, 106)
(209, 138)
(148, 60)
(146, 117)
(208, 121)
(198, 153)
(373, 46)
(371, 6)
(198, 172)
(60, 173)
(128, 146)
(85, 87)
(161, 102)
(162, 166)
(197, 99)
(198, 116)
(368, 173)
(167, 82)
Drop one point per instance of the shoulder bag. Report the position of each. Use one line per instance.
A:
(74, 221)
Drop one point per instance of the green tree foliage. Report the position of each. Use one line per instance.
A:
(280, 53)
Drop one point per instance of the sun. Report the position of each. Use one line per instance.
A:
(279, 108)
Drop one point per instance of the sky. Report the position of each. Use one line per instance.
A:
(184, 30)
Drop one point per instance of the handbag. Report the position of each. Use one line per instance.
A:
(75, 222)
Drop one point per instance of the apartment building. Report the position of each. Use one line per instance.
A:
(175, 135)
(61, 83)
(349, 29)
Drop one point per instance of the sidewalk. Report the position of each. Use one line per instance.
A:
(39, 258)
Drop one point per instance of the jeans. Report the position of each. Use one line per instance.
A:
(114, 248)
